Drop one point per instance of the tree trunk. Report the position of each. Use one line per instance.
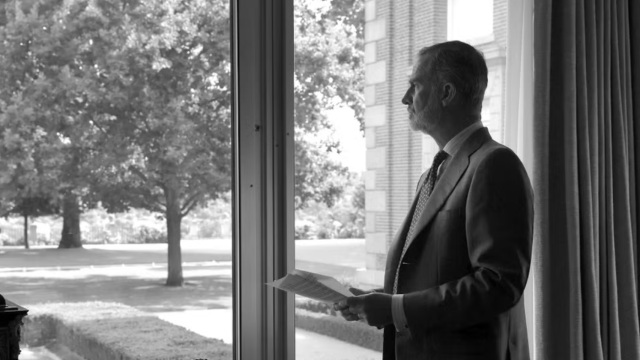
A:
(26, 231)
(174, 219)
(71, 237)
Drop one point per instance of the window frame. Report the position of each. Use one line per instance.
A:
(263, 196)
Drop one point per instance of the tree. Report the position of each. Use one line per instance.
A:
(50, 143)
(166, 91)
(130, 102)
(329, 73)
(32, 206)
(127, 103)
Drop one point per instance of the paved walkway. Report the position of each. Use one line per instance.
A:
(309, 345)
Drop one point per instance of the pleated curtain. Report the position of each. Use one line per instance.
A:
(586, 167)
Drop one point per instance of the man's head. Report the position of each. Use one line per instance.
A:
(446, 88)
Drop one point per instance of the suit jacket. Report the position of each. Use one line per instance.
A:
(467, 263)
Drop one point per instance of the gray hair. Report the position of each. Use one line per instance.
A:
(460, 64)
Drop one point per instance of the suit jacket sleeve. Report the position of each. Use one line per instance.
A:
(499, 226)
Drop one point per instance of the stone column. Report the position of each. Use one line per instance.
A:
(375, 119)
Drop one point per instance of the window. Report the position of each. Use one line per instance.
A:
(118, 169)
(470, 19)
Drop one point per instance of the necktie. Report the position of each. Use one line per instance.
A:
(425, 192)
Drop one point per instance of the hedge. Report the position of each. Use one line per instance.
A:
(353, 332)
(107, 331)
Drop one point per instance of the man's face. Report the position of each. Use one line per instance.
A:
(421, 100)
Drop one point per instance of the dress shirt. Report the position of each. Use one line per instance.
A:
(451, 148)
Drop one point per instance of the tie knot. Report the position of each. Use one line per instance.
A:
(439, 158)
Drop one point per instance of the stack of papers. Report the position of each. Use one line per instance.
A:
(314, 286)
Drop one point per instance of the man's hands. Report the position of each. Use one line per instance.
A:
(372, 307)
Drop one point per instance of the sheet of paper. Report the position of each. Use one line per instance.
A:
(314, 286)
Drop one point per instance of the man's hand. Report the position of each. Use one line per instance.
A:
(343, 308)
(372, 307)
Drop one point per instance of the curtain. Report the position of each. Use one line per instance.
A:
(519, 111)
(586, 162)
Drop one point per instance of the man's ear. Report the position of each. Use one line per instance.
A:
(448, 94)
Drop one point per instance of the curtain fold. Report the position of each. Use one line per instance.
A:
(586, 146)
(519, 111)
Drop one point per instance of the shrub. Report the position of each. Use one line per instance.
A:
(4, 239)
(305, 230)
(344, 219)
(149, 235)
(12, 241)
(353, 332)
(97, 330)
(316, 307)
(208, 230)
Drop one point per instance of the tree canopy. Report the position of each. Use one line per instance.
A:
(127, 103)
(328, 73)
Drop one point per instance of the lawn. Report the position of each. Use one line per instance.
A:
(207, 287)
(134, 275)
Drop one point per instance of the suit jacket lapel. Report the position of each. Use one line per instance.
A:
(447, 182)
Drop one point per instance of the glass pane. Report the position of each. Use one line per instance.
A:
(115, 170)
(470, 19)
(330, 165)
(357, 160)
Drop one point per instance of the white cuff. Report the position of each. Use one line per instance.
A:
(397, 312)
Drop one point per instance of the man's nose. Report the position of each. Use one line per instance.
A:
(406, 99)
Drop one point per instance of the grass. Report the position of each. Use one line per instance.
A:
(207, 287)
(109, 255)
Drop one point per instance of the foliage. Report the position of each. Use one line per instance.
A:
(353, 332)
(6, 240)
(149, 235)
(167, 91)
(329, 59)
(134, 226)
(345, 219)
(49, 147)
(106, 82)
(329, 73)
(103, 330)
(316, 307)
(122, 102)
(33, 206)
(127, 103)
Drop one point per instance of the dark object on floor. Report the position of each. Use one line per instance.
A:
(10, 322)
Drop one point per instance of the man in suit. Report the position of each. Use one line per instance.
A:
(457, 267)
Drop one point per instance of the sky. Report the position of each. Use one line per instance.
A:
(352, 143)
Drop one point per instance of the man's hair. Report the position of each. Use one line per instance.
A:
(460, 64)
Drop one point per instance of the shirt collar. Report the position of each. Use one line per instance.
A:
(457, 141)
